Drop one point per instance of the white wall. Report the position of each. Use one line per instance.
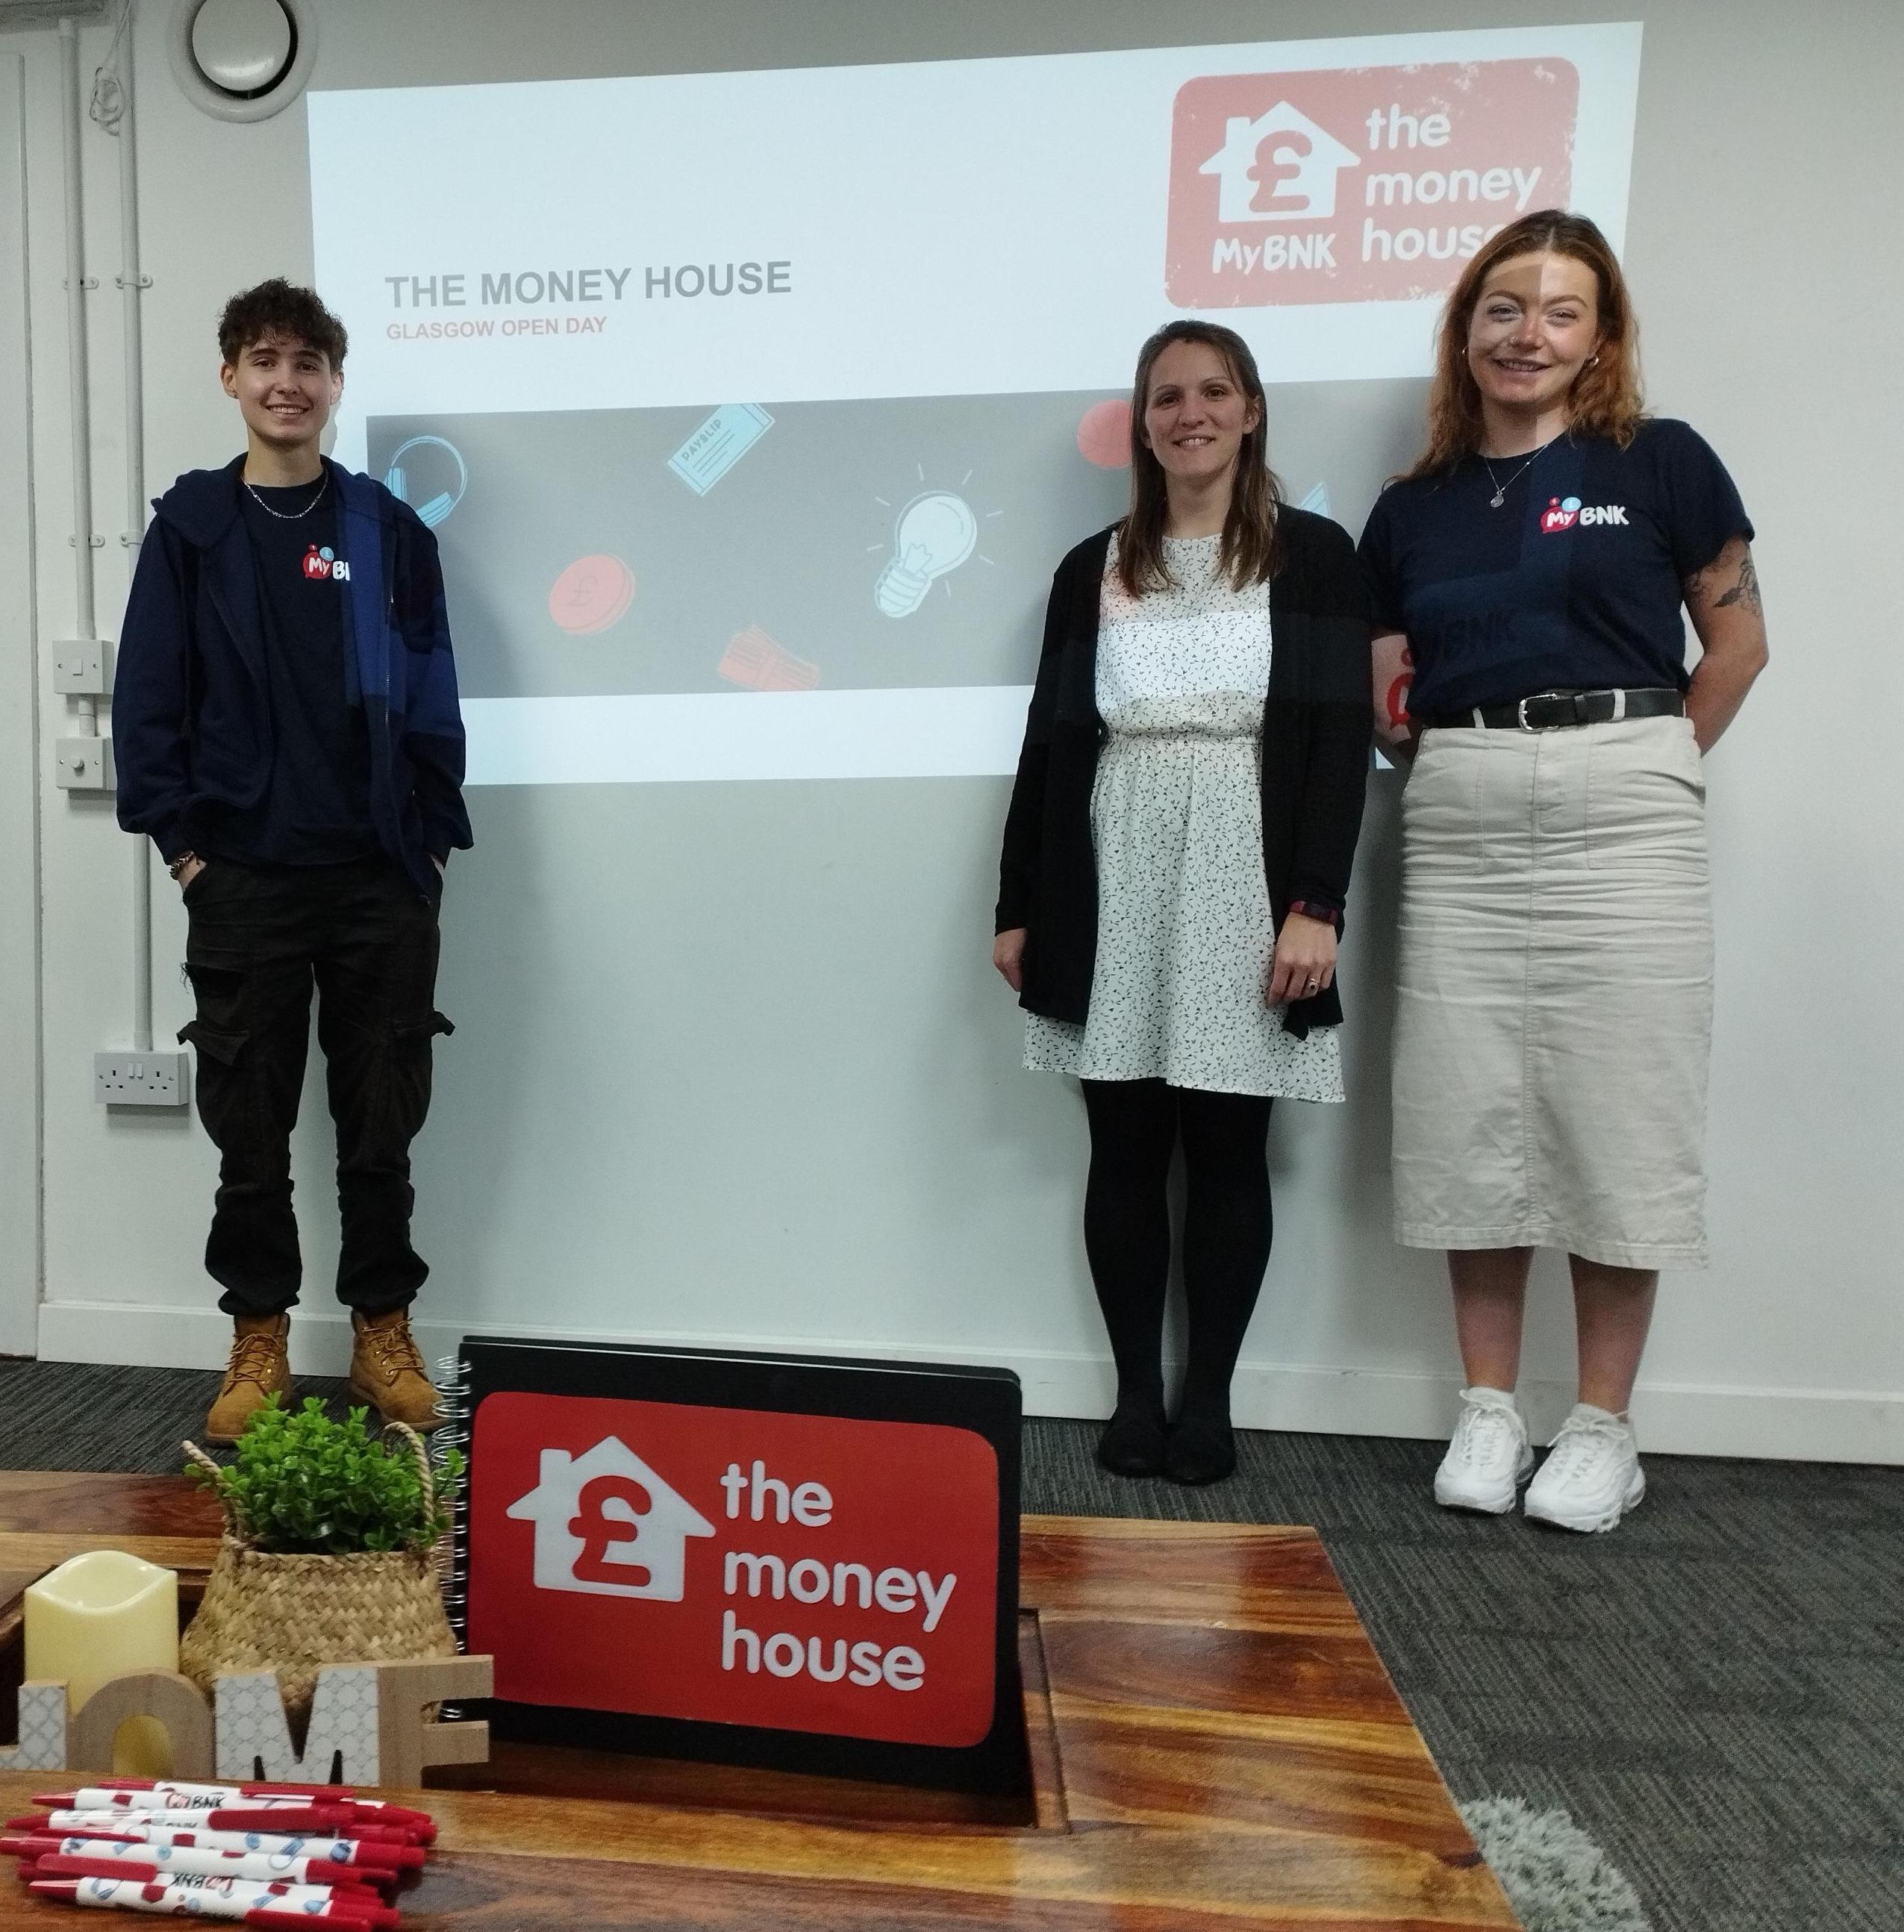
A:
(731, 1064)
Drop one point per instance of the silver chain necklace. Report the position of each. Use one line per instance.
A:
(1500, 488)
(292, 516)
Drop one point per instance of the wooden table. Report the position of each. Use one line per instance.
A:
(1214, 1744)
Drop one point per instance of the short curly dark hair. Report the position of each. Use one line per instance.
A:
(279, 308)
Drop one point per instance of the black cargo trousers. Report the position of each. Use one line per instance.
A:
(260, 936)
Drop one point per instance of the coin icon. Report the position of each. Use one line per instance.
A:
(1103, 434)
(591, 594)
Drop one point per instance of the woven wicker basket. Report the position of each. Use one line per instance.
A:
(262, 1611)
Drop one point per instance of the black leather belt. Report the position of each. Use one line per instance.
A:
(1555, 710)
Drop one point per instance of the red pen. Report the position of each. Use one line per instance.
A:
(216, 1898)
(119, 1796)
(211, 1865)
(323, 1818)
(96, 1798)
(137, 1855)
(116, 1783)
(378, 1864)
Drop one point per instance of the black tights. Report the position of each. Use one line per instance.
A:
(1227, 1230)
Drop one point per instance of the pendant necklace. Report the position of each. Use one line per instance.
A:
(292, 516)
(1500, 488)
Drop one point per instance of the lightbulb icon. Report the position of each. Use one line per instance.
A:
(933, 534)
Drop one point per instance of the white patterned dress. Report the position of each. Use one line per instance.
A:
(1185, 941)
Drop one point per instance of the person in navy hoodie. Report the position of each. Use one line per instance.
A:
(287, 731)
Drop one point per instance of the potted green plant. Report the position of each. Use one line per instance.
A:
(327, 1555)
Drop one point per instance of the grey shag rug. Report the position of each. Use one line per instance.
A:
(1556, 1878)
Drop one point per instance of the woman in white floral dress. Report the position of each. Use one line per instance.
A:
(1176, 860)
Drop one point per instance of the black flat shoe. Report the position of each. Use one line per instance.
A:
(1200, 1451)
(1132, 1443)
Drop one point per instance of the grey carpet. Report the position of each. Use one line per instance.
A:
(1715, 1692)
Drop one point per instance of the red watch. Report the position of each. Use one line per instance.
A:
(1329, 915)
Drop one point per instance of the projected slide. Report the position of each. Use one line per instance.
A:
(841, 546)
(752, 411)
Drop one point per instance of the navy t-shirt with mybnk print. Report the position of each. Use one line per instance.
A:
(1575, 584)
(315, 808)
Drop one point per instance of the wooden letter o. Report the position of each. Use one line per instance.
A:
(175, 1702)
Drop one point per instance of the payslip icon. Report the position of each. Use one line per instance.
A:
(718, 444)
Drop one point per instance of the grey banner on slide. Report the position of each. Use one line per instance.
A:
(882, 544)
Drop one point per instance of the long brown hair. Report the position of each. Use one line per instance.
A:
(1249, 552)
(1606, 400)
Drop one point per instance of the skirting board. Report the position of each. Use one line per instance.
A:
(1790, 1425)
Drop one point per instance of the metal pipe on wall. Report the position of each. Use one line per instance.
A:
(86, 710)
(22, 1337)
(133, 284)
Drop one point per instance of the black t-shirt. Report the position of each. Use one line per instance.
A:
(315, 809)
(1574, 584)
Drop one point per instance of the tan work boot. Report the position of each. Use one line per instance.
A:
(387, 1373)
(259, 1368)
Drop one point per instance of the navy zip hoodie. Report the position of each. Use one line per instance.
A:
(191, 725)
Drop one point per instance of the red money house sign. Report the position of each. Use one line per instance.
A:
(1359, 184)
(799, 1572)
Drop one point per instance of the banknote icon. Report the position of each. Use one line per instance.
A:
(718, 444)
(758, 662)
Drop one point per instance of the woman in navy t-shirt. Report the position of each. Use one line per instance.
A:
(1554, 1022)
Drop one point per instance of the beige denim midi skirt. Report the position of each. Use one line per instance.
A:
(1553, 1022)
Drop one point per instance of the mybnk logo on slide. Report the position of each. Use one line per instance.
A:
(1358, 185)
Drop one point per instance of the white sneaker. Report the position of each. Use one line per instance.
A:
(1592, 1475)
(1489, 1458)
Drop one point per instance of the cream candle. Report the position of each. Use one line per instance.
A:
(101, 1616)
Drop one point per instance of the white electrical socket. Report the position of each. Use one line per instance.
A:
(84, 764)
(141, 1079)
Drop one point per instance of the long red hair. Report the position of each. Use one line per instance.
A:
(1606, 401)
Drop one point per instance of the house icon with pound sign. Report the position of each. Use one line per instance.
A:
(1279, 167)
(607, 1525)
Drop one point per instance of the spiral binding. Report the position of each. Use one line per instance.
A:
(452, 1554)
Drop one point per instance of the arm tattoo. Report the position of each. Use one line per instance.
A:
(1746, 590)
(1698, 587)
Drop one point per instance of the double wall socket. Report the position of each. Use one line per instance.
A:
(141, 1079)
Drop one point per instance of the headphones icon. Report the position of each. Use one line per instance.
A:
(396, 480)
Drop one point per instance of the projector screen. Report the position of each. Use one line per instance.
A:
(752, 411)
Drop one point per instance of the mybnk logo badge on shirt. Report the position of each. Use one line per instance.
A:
(1562, 513)
(325, 562)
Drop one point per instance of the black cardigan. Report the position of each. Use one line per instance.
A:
(1317, 719)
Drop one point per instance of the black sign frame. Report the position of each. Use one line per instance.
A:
(987, 1401)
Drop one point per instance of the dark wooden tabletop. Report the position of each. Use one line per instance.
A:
(1215, 1744)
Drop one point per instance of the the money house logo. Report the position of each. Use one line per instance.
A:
(1358, 185)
